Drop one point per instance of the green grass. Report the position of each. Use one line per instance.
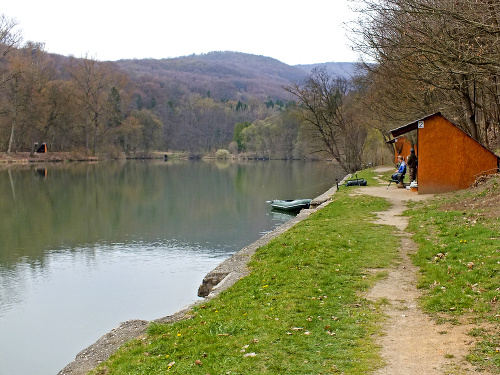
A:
(369, 175)
(459, 260)
(298, 312)
(486, 355)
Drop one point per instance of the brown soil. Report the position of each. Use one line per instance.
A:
(485, 197)
(413, 343)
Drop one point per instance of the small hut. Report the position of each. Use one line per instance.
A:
(402, 147)
(448, 158)
(40, 149)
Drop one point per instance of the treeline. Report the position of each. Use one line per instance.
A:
(433, 55)
(69, 104)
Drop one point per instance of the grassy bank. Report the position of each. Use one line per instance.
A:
(299, 312)
(459, 257)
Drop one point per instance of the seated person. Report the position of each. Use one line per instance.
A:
(401, 171)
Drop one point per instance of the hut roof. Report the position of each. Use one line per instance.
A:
(409, 127)
(414, 125)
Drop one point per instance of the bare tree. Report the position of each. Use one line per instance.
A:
(93, 83)
(323, 105)
(10, 38)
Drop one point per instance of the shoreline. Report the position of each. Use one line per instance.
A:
(27, 158)
(219, 279)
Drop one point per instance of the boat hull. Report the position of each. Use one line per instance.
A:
(356, 182)
(291, 204)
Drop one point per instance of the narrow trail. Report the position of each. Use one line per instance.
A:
(412, 342)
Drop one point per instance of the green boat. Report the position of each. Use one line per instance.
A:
(356, 182)
(290, 204)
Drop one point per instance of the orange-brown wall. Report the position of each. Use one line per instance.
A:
(448, 159)
(403, 144)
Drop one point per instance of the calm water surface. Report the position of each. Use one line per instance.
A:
(86, 246)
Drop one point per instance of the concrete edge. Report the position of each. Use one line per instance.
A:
(234, 268)
(216, 281)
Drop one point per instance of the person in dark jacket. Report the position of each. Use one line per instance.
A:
(412, 162)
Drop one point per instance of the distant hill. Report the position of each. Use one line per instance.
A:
(342, 69)
(222, 75)
(226, 75)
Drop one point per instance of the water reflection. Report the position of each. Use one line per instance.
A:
(86, 246)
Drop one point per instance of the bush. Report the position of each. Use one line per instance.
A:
(233, 148)
(222, 154)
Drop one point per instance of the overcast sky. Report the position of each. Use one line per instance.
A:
(293, 32)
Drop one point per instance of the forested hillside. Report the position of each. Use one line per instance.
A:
(224, 75)
(201, 98)
(191, 103)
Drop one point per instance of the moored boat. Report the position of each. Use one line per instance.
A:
(290, 204)
(356, 182)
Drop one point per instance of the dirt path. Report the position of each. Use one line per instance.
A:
(412, 342)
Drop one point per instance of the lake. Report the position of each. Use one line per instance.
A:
(85, 246)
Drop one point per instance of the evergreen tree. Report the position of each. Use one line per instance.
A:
(139, 102)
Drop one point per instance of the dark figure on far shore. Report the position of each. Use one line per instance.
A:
(412, 162)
